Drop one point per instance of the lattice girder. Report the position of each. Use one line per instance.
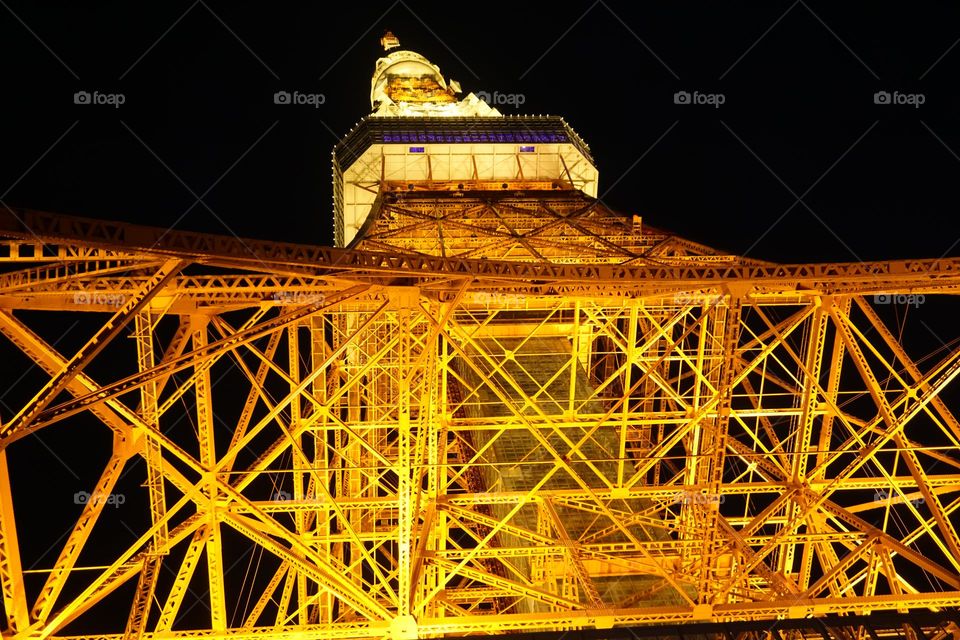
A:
(429, 447)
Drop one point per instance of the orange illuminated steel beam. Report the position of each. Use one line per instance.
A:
(802, 280)
(557, 418)
(704, 400)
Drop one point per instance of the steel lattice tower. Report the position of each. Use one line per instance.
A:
(496, 406)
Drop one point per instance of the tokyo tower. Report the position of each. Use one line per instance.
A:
(495, 406)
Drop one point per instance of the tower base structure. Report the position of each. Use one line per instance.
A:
(419, 446)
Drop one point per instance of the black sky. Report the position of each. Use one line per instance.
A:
(798, 80)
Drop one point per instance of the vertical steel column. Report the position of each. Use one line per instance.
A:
(208, 458)
(11, 571)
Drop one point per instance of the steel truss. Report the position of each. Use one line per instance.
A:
(512, 436)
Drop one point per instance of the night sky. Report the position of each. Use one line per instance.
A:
(798, 163)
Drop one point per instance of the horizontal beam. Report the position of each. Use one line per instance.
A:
(751, 615)
(900, 275)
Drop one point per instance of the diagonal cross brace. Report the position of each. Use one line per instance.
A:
(96, 344)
